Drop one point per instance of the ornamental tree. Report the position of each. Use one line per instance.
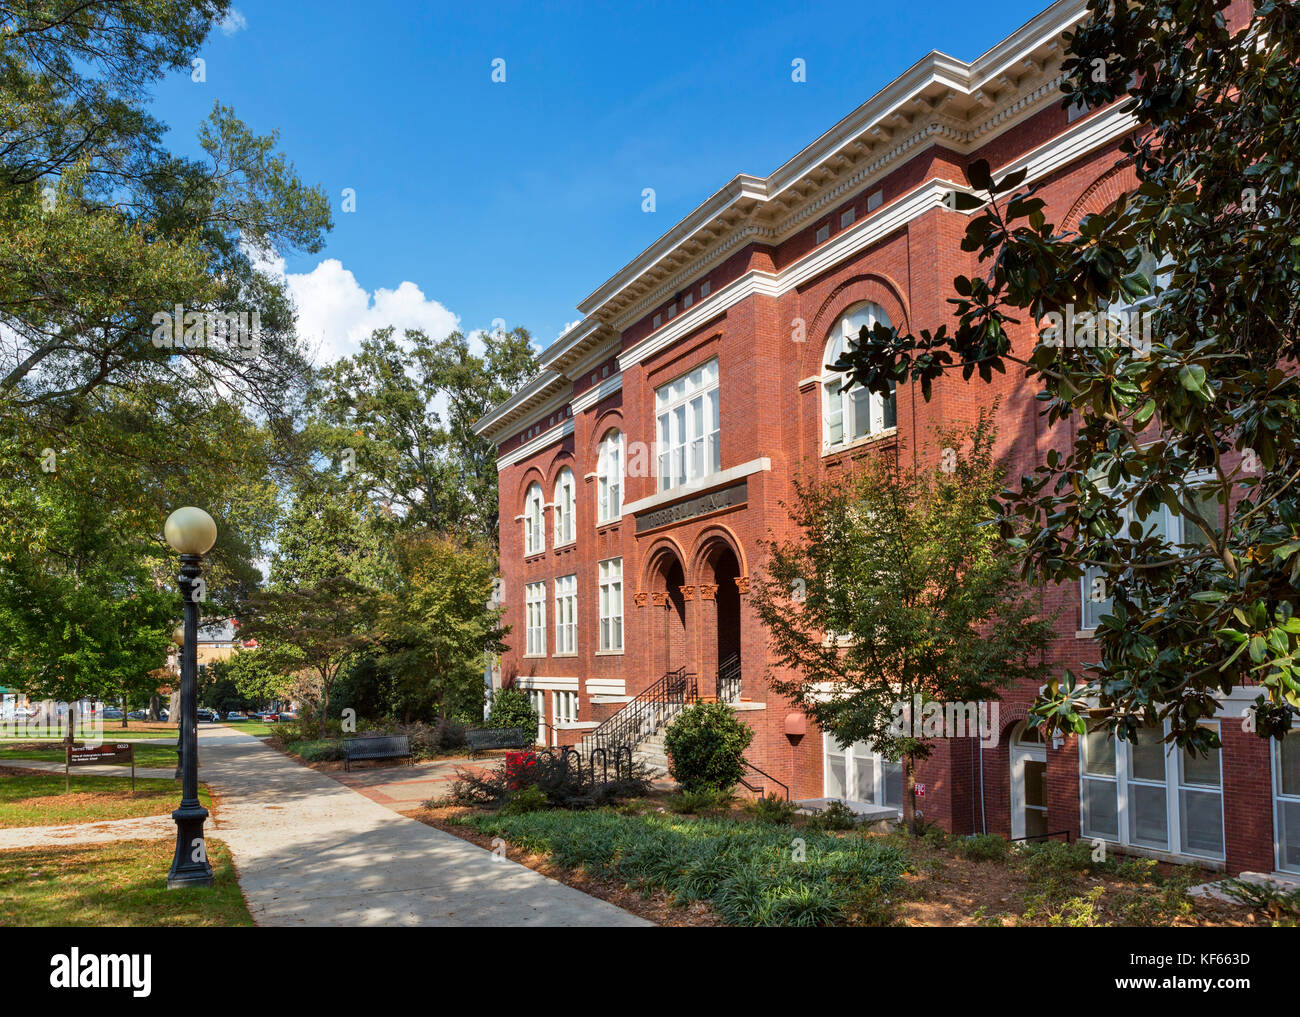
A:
(895, 586)
(1204, 425)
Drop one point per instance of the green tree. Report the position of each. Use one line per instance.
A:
(330, 533)
(437, 626)
(397, 421)
(1204, 424)
(313, 633)
(895, 587)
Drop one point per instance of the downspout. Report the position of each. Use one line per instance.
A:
(978, 748)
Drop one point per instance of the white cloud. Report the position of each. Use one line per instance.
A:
(233, 22)
(569, 328)
(335, 312)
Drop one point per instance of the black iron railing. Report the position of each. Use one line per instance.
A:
(729, 679)
(646, 714)
(757, 781)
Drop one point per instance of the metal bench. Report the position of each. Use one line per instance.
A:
(482, 739)
(377, 747)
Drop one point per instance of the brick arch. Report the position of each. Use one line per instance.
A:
(654, 556)
(609, 419)
(559, 460)
(532, 475)
(873, 287)
(1101, 193)
(708, 539)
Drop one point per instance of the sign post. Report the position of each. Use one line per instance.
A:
(121, 752)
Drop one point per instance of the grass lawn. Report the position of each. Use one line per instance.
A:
(114, 729)
(256, 728)
(37, 799)
(146, 755)
(732, 867)
(114, 884)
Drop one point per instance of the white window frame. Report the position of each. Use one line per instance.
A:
(566, 616)
(851, 410)
(535, 619)
(879, 771)
(610, 592)
(1174, 786)
(1281, 801)
(687, 427)
(534, 516)
(1175, 533)
(609, 478)
(565, 508)
(564, 707)
(538, 698)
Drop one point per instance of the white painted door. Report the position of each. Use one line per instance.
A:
(1028, 786)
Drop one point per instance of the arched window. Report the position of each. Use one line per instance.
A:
(609, 478)
(534, 536)
(564, 492)
(849, 411)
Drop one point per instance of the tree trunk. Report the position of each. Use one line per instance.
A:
(72, 721)
(155, 704)
(124, 710)
(909, 795)
(324, 706)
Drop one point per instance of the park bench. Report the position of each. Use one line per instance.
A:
(376, 747)
(482, 739)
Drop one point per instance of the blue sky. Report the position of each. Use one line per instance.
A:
(476, 200)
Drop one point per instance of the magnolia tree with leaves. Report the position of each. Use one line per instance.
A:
(895, 587)
(1202, 426)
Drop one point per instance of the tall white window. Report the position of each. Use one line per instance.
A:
(565, 707)
(535, 619)
(850, 412)
(1165, 524)
(856, 773)
(1150, 794)
(609, 478)
(538, 698)
(1286, 787)
(611, 605)
(564, 532)
(566, 614)
(688, 428)
(534, 532)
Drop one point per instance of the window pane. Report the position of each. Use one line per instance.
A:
(1201, 770)
(893, 784)
(1288, 835)
(834, 414)
(859, 412)
(1093, 609)
(1289, 756)
(1098, 754)
(1148, 824)
(1201, 818)
(835, 772)
(891, 408)
(1100, 810)
(1035, 783)
(1147, 756)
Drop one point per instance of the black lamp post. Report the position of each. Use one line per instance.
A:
(192, 532)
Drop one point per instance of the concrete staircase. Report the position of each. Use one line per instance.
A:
(653, 754)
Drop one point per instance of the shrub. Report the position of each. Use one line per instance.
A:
(835, 816)
(706, 744)
(512, 708)
(527, 799)
(774, 809)
(560, 779)
(318, 751)
(1055, 859)
(692, 802)
(985, 847)
(518, 765)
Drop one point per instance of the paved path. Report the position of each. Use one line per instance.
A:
(403, 788)
(311, 851)
(76, 834)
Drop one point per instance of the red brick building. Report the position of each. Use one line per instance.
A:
(640, 469)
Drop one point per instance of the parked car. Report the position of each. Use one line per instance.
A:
(206, 715)
(138, 715)
(112, 713)
(234, 717)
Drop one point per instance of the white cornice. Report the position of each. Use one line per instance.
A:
(530, 448)
(720, 479)
(597, 393)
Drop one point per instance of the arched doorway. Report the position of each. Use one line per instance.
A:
(1028, 758)
(720, 637)
(668, 619)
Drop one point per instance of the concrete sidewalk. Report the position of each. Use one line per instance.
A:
(311, 851)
